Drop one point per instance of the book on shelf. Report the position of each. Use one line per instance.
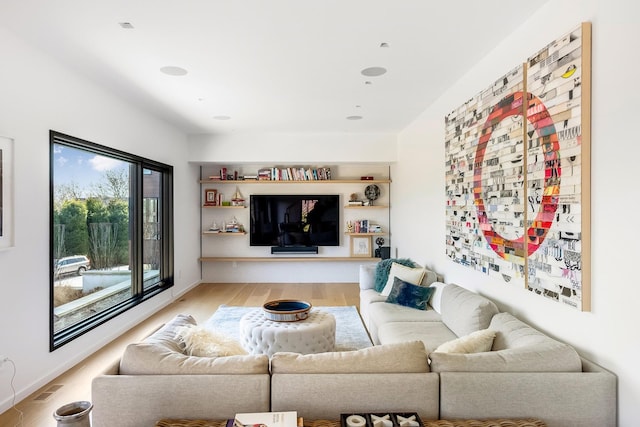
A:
(266, 419)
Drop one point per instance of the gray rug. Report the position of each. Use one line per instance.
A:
(350, 332)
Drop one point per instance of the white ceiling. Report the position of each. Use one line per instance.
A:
(271, 65)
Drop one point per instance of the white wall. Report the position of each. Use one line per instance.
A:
(36, 95)
(311, 148)
(607, 334)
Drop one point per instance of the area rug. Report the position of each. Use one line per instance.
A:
(350, 332)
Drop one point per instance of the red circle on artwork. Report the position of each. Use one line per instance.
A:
(540, 119)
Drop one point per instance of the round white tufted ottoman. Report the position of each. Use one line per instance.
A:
(315, 334)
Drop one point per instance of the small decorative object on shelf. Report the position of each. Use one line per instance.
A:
(210, 197)
(233, 226)
(237, 199)
(375, 228)
(349, 227)
(353, 200)
(383, 252)
(366, 178)
(372, 192)
(214, 227)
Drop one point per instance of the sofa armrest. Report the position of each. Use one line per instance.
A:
(141, 400)
(560, 399)
(367, 276)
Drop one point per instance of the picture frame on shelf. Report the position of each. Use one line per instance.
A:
(360, 246)
(6, 193)
(210, 197)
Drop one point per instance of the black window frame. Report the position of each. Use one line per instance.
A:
(139, 293)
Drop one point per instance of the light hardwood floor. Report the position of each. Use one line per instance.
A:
(200, 302)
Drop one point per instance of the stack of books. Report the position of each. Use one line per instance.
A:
(266, 419)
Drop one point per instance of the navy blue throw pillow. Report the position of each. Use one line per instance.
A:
(409, 295)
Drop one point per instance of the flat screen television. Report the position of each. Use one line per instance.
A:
(294, 220)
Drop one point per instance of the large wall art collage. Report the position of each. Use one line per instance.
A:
(518, 174)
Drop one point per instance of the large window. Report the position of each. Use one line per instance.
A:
(111, 234)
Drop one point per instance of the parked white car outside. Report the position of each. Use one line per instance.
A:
(72, 264)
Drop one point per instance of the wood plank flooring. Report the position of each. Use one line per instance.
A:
(200, 302)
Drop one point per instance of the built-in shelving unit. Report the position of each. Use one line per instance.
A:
(345, 182)
(316, 181)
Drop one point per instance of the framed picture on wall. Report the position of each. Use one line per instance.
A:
(361, 246)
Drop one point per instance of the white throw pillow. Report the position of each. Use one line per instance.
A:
(436, 296)
(408, 274)
(203, 342)
(476, 342)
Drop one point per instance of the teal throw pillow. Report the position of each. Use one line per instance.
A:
(383, 268)
(409, 295)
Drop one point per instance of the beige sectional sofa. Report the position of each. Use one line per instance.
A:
(525, 374)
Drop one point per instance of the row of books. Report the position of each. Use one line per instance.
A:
(363, 226)
(294, 174)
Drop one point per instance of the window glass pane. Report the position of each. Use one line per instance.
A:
(152, 232)
(91, 234)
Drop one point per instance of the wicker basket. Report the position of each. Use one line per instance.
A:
(333, 423)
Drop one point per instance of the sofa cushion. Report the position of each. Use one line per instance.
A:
(412, 275)
(382, 270)
(475, 342)
(406, 357)
(464, 311)
(383, 312)
(429, 277)
(166, 335)
(409, 295)
(517, 347)
(432, 334)
(163, 353)
(368, 296)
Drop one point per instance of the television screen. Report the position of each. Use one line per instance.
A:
(294, 220)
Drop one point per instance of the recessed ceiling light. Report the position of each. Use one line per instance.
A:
(173, 71)
(368, 82)
(384, 44)
(354, 117)
(222, 117)
(126, 25)
(373, 71)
